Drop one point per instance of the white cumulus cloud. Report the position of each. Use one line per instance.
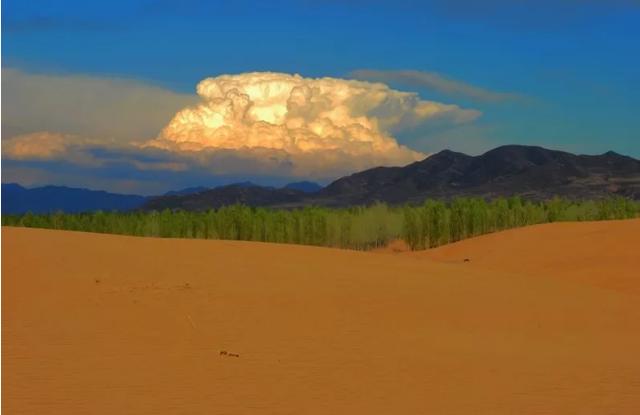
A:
(257, 125)
(45, 145)
(319, 125)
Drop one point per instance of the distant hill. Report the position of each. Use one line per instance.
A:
(531, 172)
(304, 186)
(252, 195)
(527, 171)
(17, 199)
(186, 191)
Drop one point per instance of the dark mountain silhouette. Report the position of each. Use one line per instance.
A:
(252, 195)
(530, 172)
(199, 189)
(186, 191)
(17, 199)
(527, 171)
(304, 186)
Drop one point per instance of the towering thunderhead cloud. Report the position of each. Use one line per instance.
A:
(316, 124)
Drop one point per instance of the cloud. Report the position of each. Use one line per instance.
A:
(89, 106)
(265, 125)
(314, 124)
(434, 81)
(43, 146)
(143, 170)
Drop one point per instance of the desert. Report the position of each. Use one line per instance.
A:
(543, 319)
(320, 207)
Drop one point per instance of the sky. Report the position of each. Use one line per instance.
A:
(148, 96)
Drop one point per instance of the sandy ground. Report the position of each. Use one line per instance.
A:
(542, 320)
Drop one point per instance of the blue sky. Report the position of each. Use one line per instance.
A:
(573, 66)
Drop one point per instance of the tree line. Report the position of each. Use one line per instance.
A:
(430, 224)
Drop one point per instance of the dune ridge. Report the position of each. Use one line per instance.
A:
(108, 324)
(604, 254)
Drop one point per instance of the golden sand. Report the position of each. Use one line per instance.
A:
(540, 320)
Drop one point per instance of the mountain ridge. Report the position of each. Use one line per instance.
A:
(531, 172)
(528, 171)
(17, 199)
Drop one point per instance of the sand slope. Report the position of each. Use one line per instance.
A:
(106, 324)
(605, 254)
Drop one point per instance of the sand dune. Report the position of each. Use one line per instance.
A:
(605, 254)
(541, 320)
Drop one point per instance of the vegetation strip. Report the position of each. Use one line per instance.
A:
(431, 224)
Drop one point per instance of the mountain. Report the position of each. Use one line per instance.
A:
(252, 195)
(186, 191)
(531, 172)
(17, 199)
(528, 171)
(304, 186)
